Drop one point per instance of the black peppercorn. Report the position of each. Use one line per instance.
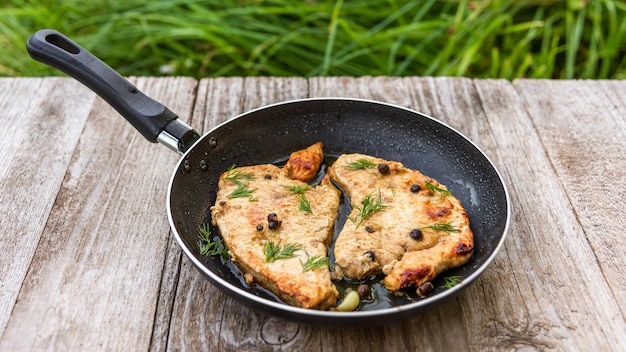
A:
(267, 177)
(415, 188)
(383, 168)
(369, 229)
(272, 221)
(259, 227)
(364, 291)
(416, 234)
(273, 225)
(425, 289)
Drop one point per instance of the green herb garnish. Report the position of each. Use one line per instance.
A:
(450, 281)
(446, 227)
(304, 205)
(241, 179)
(360, 164)
(369, 206)
(434, 188)
(274, 251)
(313, 263)
(209, 246)
(238, 176)
(243, 191)
(295, 189)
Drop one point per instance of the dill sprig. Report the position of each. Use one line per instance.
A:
(369, 206)
(274, 251)
(243, 191)
(238, 176)
(360, 164)
(451, 281)
(314, 262)
(434, 188)
(209, 246)
(304, 203)
(295, 189)
(440, 226)
(241, 179)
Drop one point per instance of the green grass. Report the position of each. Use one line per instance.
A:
(504, 39)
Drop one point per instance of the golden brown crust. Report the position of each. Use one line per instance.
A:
(238, 218)
(387, 242)
(304, 164)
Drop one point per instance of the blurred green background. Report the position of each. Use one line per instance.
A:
(503, 39)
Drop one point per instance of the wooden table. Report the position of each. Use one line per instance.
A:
(88, 261)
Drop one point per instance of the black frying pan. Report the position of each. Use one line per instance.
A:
(269, 135)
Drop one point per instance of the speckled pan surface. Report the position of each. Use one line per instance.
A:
(270, 134)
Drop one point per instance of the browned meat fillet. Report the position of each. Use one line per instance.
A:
(278, 229)
(403, 224)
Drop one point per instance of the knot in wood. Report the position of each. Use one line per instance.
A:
(276, 331)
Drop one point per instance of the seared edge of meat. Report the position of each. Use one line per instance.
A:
(304, 164)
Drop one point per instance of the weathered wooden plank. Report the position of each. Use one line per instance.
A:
(555, 297)
(384, 89)
(41, 122)
(586, 154)
(103, 249)
(261, 91)
(584, 137)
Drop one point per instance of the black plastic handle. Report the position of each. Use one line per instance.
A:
(149, 117)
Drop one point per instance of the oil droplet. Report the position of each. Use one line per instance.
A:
(203, 165)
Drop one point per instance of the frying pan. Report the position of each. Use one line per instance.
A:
(268, 135)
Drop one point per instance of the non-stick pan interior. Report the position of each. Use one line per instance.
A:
(270, 134)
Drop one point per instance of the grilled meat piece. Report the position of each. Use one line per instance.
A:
(304, 164)
(403, 224)
(273, 225)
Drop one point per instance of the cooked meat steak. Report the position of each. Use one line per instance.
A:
(403, 224)
(278, 229)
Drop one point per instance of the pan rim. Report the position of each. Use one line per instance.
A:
(341, 316)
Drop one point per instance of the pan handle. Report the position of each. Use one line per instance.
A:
(153, 120)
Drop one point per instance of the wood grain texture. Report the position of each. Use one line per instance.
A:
(565, 304)
(89, 262)
(583, 136)
(94, 279)
(42, 120)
